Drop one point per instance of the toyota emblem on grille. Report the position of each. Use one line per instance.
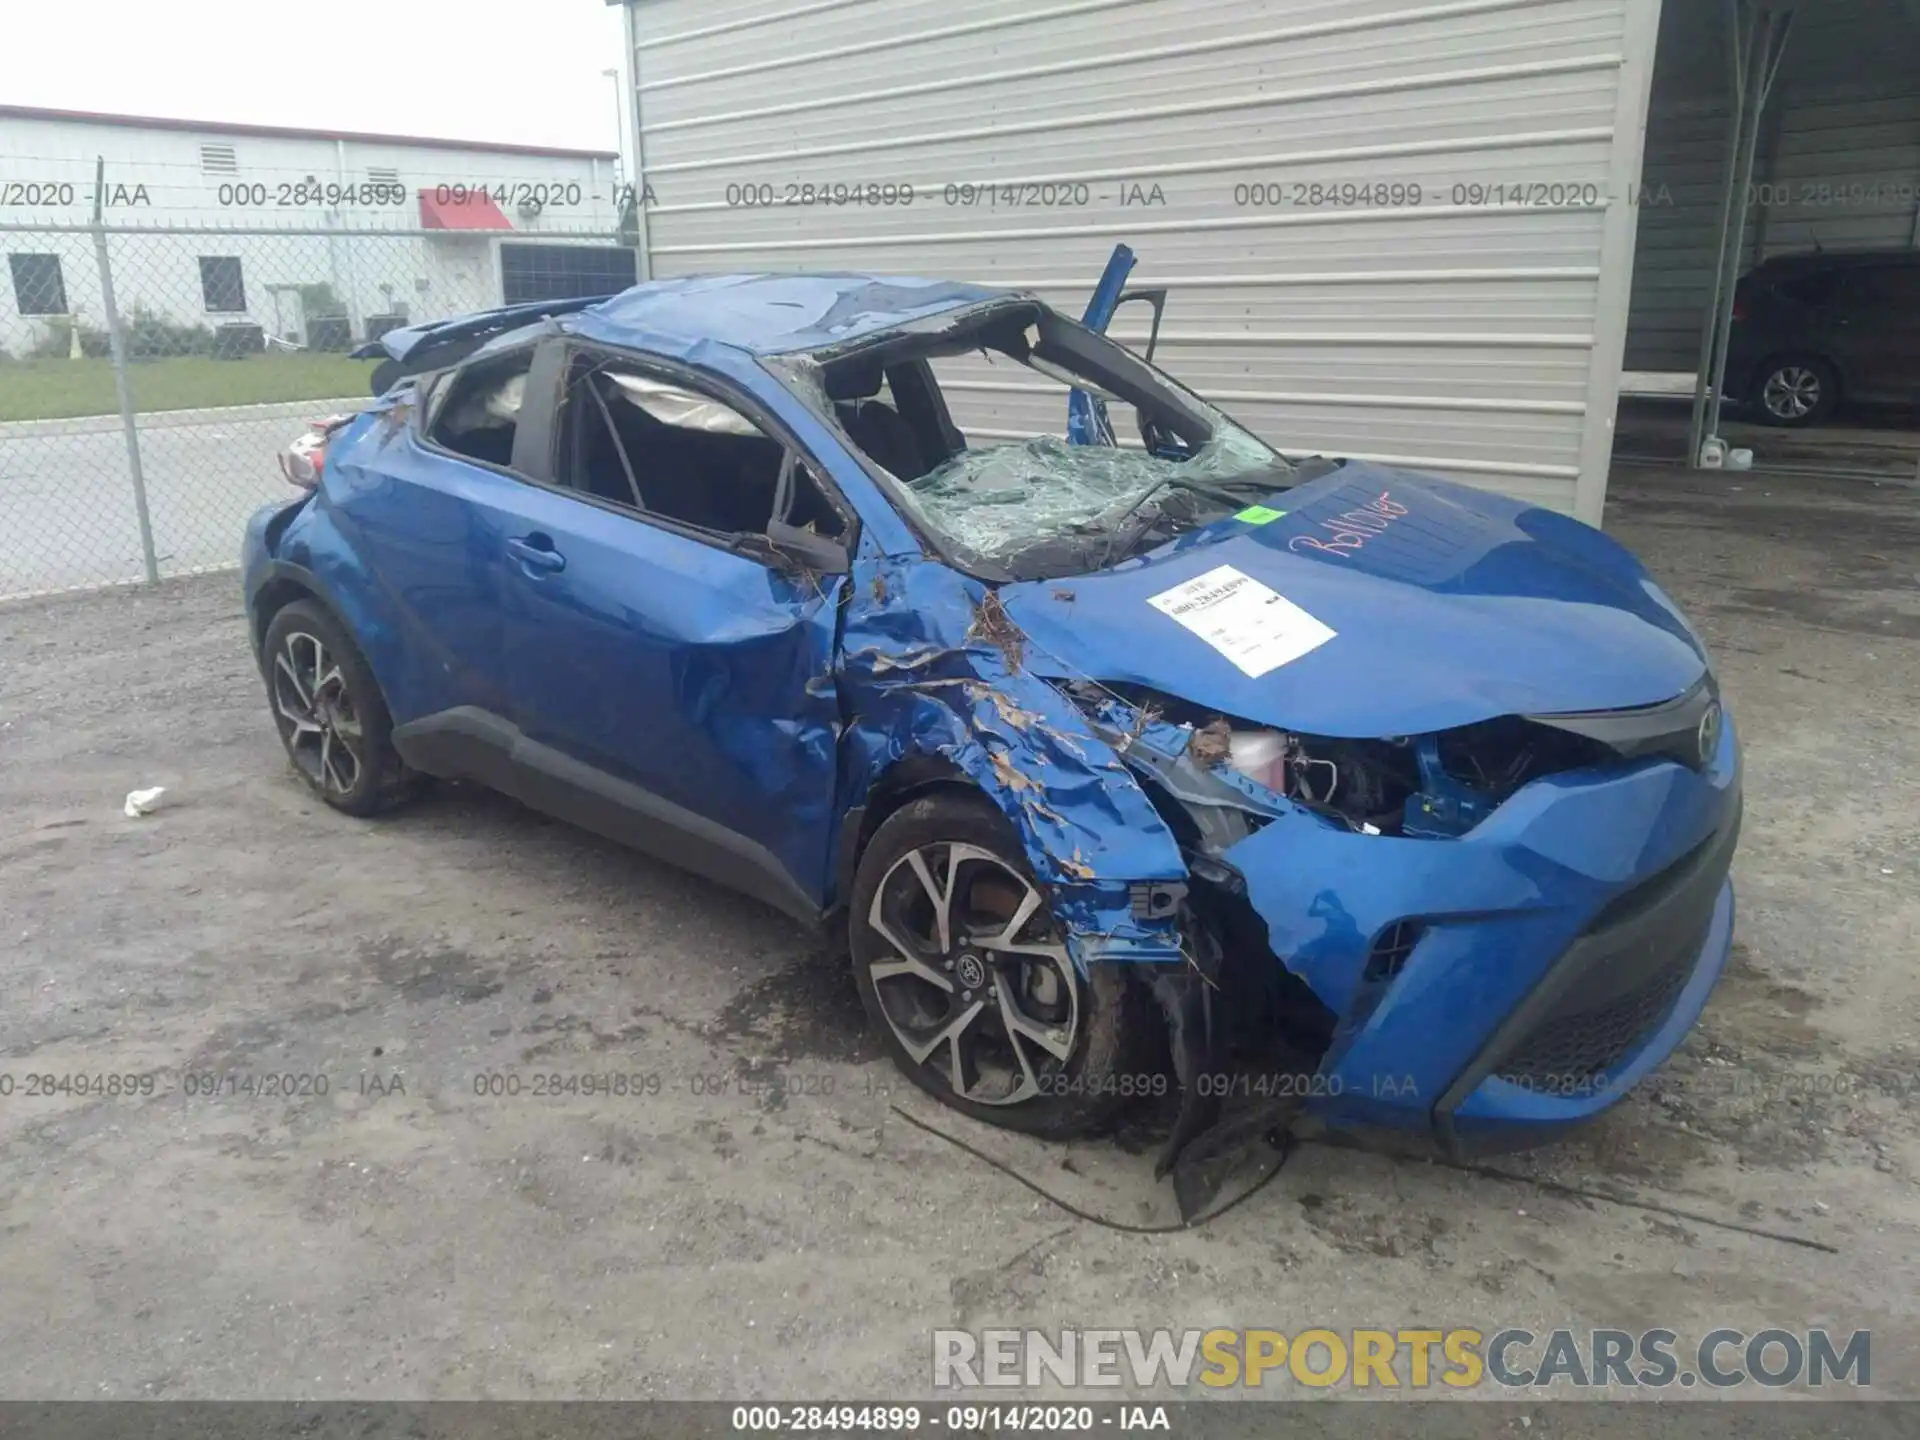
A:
(1709, 736)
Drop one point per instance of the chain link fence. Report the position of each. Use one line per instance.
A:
(149, 376)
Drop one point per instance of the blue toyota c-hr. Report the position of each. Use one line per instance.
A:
(1129, 769)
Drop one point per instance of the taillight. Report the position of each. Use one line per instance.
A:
(305, 459)
(302, 461)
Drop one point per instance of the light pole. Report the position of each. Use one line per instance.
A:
(619, 130)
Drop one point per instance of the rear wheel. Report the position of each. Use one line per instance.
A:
(1796, 390)
(330, 714)
(964, 969)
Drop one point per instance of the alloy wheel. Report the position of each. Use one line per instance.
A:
(318, 720)
(973, 978)
(1792, 392)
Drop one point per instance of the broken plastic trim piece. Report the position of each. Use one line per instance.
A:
(1223, 807)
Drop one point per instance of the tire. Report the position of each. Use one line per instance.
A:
(1097, 1029)
(1795, 391)
(343, 714)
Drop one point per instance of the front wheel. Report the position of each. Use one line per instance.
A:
(964, 969)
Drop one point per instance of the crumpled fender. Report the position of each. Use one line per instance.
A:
(931, 666)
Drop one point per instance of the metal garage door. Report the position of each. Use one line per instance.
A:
(560, 272)
(1393, 229)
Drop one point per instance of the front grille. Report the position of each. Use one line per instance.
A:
(1594, 1010)
(1636, 957)
(1568, 1051)
(1680, 730)
(1499, 756)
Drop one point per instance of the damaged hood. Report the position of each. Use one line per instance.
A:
(1373, 602)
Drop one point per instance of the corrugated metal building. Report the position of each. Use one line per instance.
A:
(1397, 229)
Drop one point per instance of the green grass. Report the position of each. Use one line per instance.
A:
(59, 389)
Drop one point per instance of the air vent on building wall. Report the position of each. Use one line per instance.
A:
(218, 160)
(383, 175)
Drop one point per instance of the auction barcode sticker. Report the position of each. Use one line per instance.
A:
(1254, 627)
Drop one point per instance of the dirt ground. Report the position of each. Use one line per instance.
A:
(408, 1234)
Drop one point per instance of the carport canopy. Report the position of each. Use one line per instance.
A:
(1775, 126)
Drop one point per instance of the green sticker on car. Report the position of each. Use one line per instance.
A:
(1258, 515)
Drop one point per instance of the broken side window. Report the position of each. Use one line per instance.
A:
(675, 452)
(481, 411)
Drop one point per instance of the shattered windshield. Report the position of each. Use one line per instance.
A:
(1005, 499)
(965, 417)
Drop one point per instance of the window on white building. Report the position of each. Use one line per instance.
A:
(38, 286)
(221, 285)
(218, 160)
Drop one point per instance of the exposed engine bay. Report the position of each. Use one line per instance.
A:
(1420, 787)
(1237, 1010)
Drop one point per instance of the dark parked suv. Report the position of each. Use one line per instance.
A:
(1810, 330)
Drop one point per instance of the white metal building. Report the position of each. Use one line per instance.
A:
(1398, 229)
(389, 225)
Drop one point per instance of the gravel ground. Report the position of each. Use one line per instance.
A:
(407, 1235)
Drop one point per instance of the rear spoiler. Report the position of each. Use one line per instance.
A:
(415, 348)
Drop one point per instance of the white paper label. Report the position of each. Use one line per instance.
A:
(1252, 626)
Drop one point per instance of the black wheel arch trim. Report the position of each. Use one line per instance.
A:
(469, 743)
(282, 576)
(893, 788)
(294, 581)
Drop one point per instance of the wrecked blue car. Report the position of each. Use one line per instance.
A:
(1166, 767)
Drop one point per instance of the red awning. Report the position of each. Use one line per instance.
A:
(460, 207)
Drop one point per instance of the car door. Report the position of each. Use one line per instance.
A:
(1875, 324)
(428, 501)
(671, 668)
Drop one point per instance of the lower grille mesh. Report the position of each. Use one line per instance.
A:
(1568, 1052)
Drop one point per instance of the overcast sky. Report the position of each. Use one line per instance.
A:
(514, 70)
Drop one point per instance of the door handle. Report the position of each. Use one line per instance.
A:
(536, 554)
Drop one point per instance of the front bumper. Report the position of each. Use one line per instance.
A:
(1495, 989)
